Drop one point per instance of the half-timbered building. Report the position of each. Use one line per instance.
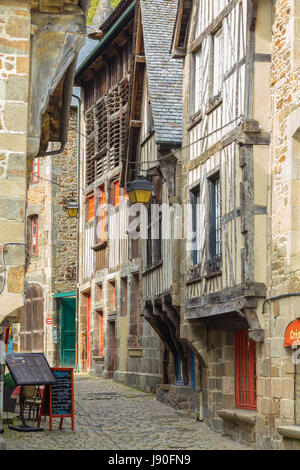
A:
(155, 133)
(113, 338)
(226, 49)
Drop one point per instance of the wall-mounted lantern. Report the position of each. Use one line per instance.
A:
(140, 190)
(72, 208)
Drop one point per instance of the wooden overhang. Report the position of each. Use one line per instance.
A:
(116, 27)
(181, 29)
(230, 309)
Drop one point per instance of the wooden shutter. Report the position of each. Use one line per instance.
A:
(245, 371)
(32, 321)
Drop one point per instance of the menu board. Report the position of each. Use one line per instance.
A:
(30, 369)
(58, 400)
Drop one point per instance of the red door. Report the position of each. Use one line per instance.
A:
(88, 333)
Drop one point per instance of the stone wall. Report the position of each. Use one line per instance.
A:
(54, 267)
(15, 22)
(276, 385)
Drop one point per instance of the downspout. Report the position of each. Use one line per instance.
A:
(78, 226)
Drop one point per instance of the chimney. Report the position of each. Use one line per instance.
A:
(103, 11)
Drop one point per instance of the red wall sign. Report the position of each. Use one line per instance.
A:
(292, 334)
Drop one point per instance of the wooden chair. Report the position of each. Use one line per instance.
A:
(32, 399)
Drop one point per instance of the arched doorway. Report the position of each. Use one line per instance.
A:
(32, 321)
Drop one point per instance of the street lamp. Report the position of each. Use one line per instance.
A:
(72, 208)
(140, 190)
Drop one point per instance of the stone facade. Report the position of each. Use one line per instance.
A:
(55, 265)
(14, 100)
(278, 400)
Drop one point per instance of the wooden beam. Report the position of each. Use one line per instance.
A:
(140, 59)
(135, 123)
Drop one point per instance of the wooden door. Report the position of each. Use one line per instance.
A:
(88, 333)
(68, 332)
(32, 321)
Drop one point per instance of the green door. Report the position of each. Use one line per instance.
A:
(68, 332)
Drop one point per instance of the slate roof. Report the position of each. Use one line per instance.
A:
(165, 75)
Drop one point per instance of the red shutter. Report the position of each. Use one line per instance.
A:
(88, 334)
(101, 335)
(116, 192)
(245, 371)
(91, 207)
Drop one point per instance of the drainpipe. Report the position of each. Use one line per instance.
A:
(78, 226)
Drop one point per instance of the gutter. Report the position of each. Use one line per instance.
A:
(94, 53)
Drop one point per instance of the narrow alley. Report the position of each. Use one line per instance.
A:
(110, 416)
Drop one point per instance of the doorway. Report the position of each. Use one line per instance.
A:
(68, 333)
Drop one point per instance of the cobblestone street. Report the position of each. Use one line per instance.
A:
(110, 416)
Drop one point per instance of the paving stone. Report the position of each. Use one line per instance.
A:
(111, 416)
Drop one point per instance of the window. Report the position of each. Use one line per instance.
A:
(215, 222)
(197, 72)
(217, 62)
(112, 296)
(34, 228)
(154, 235)
(35, 176)
(116, 193)
(101, 213)
(196, 253)
(245, 371)
(91, 208)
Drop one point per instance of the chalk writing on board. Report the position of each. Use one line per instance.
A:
(62, 393)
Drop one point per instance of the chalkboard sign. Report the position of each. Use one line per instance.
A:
(30, 369)
(58, 400)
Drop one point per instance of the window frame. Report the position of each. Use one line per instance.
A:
(215, 216)
(90, 208)
(35, 175)
(216, 93)
(196, 221)
(34, 251)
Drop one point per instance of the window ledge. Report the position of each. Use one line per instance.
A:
(213, 274)
(194, 120)
(151, 268)
(238, 416)
(214, 103)
(99, 246)
(292, 432)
